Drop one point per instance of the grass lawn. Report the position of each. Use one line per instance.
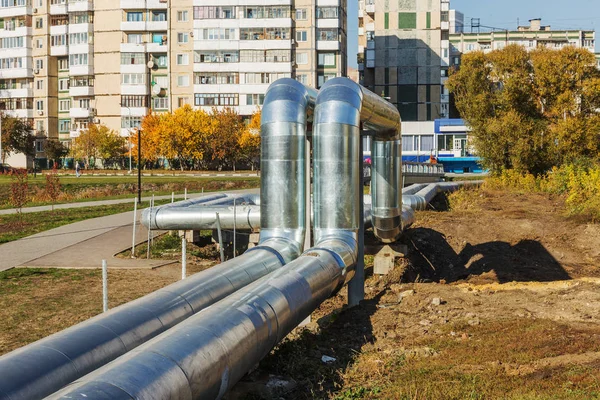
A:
(14, 226)
(90, 188)
(35, 303)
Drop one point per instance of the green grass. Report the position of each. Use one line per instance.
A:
(14, 226)
(92, 188)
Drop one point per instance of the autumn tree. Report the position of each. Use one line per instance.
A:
(249, 141)
(52, 187)
(17, 137)
(529, 110)
(19, 191)
(98, 141)
(223, 143)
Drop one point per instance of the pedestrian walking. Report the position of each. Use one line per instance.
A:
(77, 169)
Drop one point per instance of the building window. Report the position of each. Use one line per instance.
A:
(135, 16)
(182, 101)
(322, 78)
(39, 105)
(135, 38)
(182, 16)
(427, 143)
(78, 59)
(208, 56)
(214, 12)
(64, 105)
(327, 34)
(83, 103)
(326, 60)
(216, 99)
(40, 84)
(133, 58)
(135, 101)
(183, 59)
(161, 60)
(39, 144)
(39, 23)
(301, 36)
(160, 103)
(64, 125)
(327, 12)
(302, 78)
(183, 38)
(39, 43)
(219, 78)
(255, 99)
(183, 80)
(39, 64)
(159, 16)
(63, 64)
(129, 122)
(63, 84)
(301, 14)
(301, 58)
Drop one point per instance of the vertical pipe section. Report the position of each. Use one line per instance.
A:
(386, 182)
(283, 164)
(206, 355)
(135, 205)
(42, 368)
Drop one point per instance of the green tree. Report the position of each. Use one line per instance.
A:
(17, 137)
(529, 110)
(55, 150)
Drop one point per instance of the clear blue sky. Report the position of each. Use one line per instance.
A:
(560, 14)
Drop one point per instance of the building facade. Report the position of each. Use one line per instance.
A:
(404, 54)
(67, 63)
(530, 37)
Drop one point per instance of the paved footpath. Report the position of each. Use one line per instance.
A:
(84, 244)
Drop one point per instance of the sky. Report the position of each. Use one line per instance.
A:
(559, 14)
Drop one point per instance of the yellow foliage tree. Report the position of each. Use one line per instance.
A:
(249, 141)
(98, 141)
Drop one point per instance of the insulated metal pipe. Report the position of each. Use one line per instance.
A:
(206, 355)
(419, 200)
(45, 366)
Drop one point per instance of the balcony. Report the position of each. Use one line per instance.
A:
(81, 112)
(155, 4)
(24, 31)
(15, 11)
(26, 72)
(370, 27)
(79, 70)
(328, 45)
(361, 31)
(59, 51)
(134, 112)
(157, 47)
(80, 5)
(133, 25)
(81, 91)
(370, 9)
(24, 113)
(134, 89)
(58, 9)
(156, 26)
(16, 93)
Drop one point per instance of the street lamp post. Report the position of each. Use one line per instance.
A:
(139, 137)
(129, 134)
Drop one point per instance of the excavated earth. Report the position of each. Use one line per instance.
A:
(497, 297)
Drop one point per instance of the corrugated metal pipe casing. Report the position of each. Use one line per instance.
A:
(43, 367)
(283, 166)
(386, 181)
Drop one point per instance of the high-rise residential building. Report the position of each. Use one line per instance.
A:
(531, 37)
(406, 54)
(67, 63)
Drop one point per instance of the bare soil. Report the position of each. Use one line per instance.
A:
(498, 297)
(516, 313)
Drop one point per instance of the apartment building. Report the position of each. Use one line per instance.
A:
(67, 63)
(530, 37)
(404, 54)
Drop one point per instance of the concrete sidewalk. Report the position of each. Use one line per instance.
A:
(86, 243)
(71, 244)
